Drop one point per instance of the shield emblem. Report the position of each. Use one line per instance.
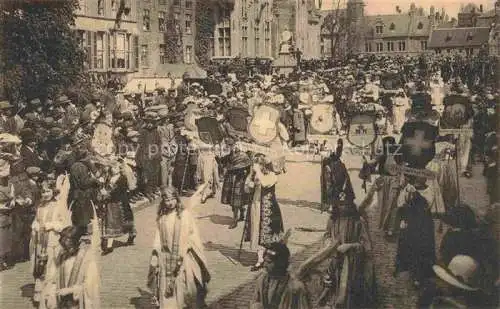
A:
(238, 118)
(361, 130)
(457, 112)
(418, 143)
(322, 118)
(209, 130)
(264, 124)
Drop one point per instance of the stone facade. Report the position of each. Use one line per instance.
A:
(252, 29)
(111, 49)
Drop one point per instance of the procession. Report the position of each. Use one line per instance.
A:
(314, 185)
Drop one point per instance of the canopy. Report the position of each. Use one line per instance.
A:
(144, 84)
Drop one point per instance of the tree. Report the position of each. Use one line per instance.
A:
(41, 54)
(337, 26)
(205, 27)
(173, 39)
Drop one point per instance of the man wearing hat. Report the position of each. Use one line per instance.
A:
(6, 204)
(148, 157)
(456, 286)
(9, 122)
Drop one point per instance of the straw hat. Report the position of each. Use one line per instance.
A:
(460, 273)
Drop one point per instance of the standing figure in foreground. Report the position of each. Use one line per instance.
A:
(77, 279)
(264, 221)
(178, 273)
(277, 288)
(233, 190)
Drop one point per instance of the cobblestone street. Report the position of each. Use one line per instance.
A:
(124, 271)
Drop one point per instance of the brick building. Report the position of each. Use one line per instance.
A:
(252, 29)
(112, 50)
(166, 38)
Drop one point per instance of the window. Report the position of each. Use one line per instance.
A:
(144, 56)
(100, 7)
(162, 2)
(402, 46)
(469, 51)
(244, 9)
(163, 53)
(146, 24)
(379, 29)
(390, 46)
(120, 51)
(392, 27)
(113, 5)
(423, 45)
(244, 41)
(420, 26)
(438, 51)
(136, 51)
(87, 42)
(162, 25)
(177, 2)
(99, 51)
(177, 18)
(189, 4)
(188, 23)
(380, 47)
(368, 47)
(189, 55)
(267, 38)
(257, 41)
(224, 41)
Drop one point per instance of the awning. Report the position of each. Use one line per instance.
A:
(145, 84)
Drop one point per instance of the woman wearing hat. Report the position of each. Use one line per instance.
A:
(233, 193)
(264, 220)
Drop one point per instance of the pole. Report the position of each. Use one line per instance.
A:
(457, 152)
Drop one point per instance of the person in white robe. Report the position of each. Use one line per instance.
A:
(401, 105)
(51, 217)
(437, 90)
(178, 274)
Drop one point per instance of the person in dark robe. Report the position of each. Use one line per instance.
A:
(148, 158)
(183, 177)
(416, 250)
(118, 216)
(264, 224)
(277, 288)
(28, 194)
(83, 191)
(233, 189)
(6, 206)
(349, 281)
(299, 126)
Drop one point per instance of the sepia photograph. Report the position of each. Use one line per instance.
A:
(249, 154)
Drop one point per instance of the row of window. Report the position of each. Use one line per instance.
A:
(101, 5)
(103, 50)
(162, 22)
(391, 46)
(468, 51)
(379, 29)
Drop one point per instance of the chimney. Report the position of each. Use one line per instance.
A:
(432, 11)
(480, 8)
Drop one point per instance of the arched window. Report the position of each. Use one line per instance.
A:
(420, 26)
(392, 27)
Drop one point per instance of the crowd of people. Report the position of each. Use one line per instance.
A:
(70, 175)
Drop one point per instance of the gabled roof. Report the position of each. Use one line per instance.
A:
(459, 37)
(403, 25)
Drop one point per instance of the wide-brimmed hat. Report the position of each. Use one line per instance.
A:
(63, 100)
(33, 171)
(461, 272)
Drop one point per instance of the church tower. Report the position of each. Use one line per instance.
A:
(355, 13)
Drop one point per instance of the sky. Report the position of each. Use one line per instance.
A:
(373, 7)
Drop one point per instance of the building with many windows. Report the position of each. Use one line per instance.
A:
(111, 48)
(166, 38)
(252, 29)
(400, 34)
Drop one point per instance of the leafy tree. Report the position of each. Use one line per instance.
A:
(41, 54)
(205, 27)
